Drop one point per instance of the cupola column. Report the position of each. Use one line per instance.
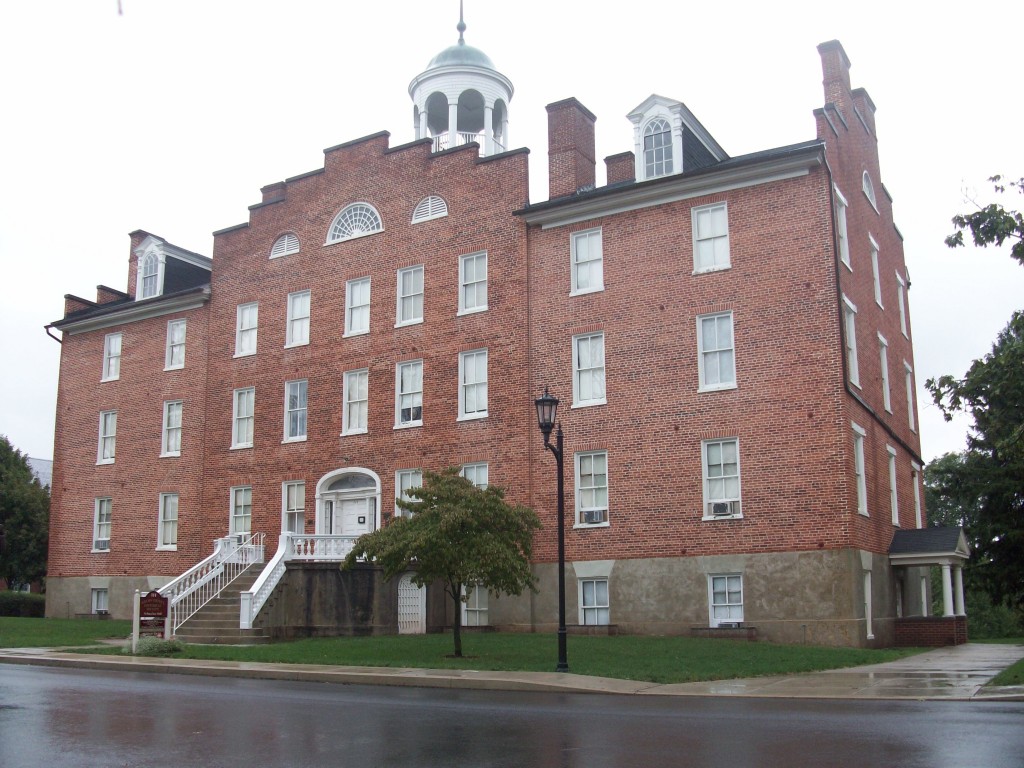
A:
(488, 130)
(453, 124)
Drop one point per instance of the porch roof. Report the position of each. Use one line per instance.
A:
(941, 545)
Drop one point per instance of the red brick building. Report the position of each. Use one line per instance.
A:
(729, 338)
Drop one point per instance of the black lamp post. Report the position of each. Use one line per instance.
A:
(547, 410)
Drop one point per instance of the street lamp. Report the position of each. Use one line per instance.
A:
(547, 410)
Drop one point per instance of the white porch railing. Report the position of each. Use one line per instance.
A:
(462, 138)
(291, 546)
(204, 581)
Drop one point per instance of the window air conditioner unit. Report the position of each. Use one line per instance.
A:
(593, 516)
(730, 624)
(104, 545)
(721, 508)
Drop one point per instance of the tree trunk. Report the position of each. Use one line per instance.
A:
(457, 619)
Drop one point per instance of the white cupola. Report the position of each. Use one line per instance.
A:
(460, 97)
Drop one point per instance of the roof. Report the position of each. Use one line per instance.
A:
(461, 55)
(928, 544)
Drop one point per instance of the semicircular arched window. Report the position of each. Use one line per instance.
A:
(869, 190)
(355, 220)
(430, 207)
(285, 245)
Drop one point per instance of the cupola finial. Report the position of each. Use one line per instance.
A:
(461, 26)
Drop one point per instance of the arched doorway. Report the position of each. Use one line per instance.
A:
(348, 502)
(412, 607)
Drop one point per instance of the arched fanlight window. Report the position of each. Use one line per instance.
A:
(657, 148)
(285, 245)
(431, 207)
(355, 220)
(149, 281)
(869, 190)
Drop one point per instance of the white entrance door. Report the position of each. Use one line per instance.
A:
(352, 517)
(412, 607)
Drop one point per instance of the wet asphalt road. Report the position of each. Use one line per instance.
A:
(60, 717)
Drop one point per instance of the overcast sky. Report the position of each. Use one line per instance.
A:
(172, 115)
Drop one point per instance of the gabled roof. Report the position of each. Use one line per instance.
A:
(922, 546)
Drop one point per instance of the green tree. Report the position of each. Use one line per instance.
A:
(24, 519)
(992, 224)
(459, 534)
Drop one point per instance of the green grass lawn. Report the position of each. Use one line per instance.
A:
(1011, 675)
(34, 633)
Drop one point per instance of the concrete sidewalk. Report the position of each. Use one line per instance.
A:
(957, 673)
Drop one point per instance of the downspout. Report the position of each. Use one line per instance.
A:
(47, 329)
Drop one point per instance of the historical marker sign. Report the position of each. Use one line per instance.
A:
(152, 613)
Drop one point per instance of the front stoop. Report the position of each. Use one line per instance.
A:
(216, 623)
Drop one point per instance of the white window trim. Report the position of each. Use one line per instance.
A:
(399, 512)
(475, 466)
(346, 428)
(901, 298)
(702, 386)
(875, 275)
(850, 341)
(289, 244)
(894, 505)
(160, 546)
(239, 330)
(734, 504)
(112, 436)
(398, 395)
(399, 323)
(842, 231)
(908, 375)
(580, 510)
(693, 227)
(463, 310)
(289, 339)
(574, 238)
(463, 416)
(596, 607)
(349, 285)
(168, 352)
(285, 510)
(98, 505)
(235, 444)
(298, 438)
(883, 362)
(99, 598)
(576, 401)
(712, 621)
(164, 433)
(860, 463)
(475, 605)
(915, 475)
(674, 160)
(235, 490)
(139, 276)
(107, 356)
(331, 240)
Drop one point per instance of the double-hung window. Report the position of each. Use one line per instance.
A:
(716, 360)
(295, 393)
(725, 599)
(409, 394)
(588, 369)
(100, 600)
(246, 322)
(657, 149)
(108, 438)
(241, 509)
(874, 272)
(915, 477)
(111, 357)
(894, 506)
(883, 361)
(592, 488)
(908, 377)
(721, 478)
(710, 238)
(297, 331)
(594, 607)
(357, 307)
(405, 480)
(101, 525)
(410, 296)
(474, 607)
(842, 240)
(476, 474)
(242, 417)
(473, 283)
(859, 465)
(174, 356)
(356, 402)
(473, 384)
(850, 340)
(170, 442)
(901, 300)
(587, 262)
(293, 502)
(167, 538)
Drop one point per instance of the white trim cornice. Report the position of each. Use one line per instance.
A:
(133, 312)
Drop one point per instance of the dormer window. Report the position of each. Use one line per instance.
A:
(151, 275)
(355, 220)
(657, 148)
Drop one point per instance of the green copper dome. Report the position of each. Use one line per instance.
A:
(461, 55)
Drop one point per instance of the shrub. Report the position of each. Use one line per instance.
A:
(23, 604)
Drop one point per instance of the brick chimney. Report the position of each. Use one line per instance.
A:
(835, 67)
(571, 147)
(620, 167)
(866, 107)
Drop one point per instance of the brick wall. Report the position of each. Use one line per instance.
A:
(931, 631)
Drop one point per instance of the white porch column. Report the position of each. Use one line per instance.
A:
(958, 590)
(453, 125)
(488, 130)
(924, 595)
(947, 591)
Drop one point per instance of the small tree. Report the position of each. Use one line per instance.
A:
(993, 224)
(24, 519)
(459, 534)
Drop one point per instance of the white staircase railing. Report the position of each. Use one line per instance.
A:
(291, 546)
(205, 580)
